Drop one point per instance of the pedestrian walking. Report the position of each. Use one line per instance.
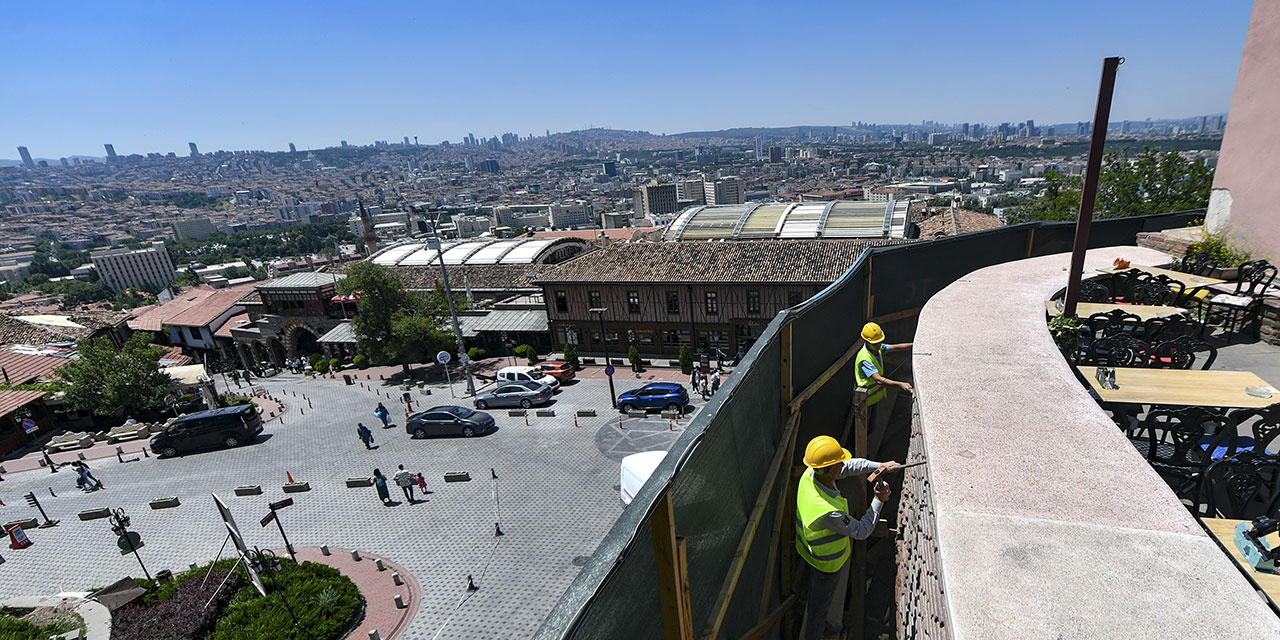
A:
(366, 436)
(715, 382)
(738, 358)
(693, 379)
(247, 378)
(380, 483)
(422, 484)
(405, 481)
(704, 390)
(235, 377)
(84, 478)
(382, 414)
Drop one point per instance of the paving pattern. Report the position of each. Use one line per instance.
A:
(557, 487)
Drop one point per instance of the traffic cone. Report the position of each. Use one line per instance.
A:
(52, 493)
(620, 424)
(289, 476)
(526, 419)
(1, 503)
(301, 411)
(575, 422)
(671, 425)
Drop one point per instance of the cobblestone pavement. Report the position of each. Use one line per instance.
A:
(557, 487)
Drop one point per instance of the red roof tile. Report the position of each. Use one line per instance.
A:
(21, 368)
(11, 400)
(195, 307)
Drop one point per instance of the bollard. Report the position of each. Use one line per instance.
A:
(373, 635)
(355, 555)
(324, 549)
(52, 493)
(80, 454)
(378, 563)
(471, 585)
(399, 601)
(395, 577)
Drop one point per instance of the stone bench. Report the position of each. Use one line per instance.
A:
(165, 503)
(128, 432)
(296, 487)
(586, 413)
(249, 490)
(546, 413)
(94, 514)
(26, 523)
(69, 442)
(359, 482)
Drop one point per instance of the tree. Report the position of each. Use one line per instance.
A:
(392, 325)
(186, 279)
(106, 381)
(633, 356)
(571, 356)
(1059, 201)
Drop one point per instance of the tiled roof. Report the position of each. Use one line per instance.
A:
(950, 223)
(342, 334)
(21, 368)
(195, 307)
(238, 320)
(16, 331)
(173, 357)
(11, 400)
(789, 261)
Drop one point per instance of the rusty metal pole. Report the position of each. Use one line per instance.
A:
(1084, 220)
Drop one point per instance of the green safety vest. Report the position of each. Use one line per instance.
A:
(875, 390)
(824, 549)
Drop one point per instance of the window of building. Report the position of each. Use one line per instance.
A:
(753, 302)
(562, 302)
(794, 298)
(596, 301)
(673, 302)
(712, 303)
(633, 301)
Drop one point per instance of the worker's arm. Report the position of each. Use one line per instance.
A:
(905, 386)
(862, 467)
(841, 523)
(897, 347)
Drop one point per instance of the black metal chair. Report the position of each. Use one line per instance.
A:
(1181, 444)
(1093, 291)
(1117, 350)
(1241, 487)
(1122, 284)
(1112, 322)
(1158, 290)
(1266, 429)
(1170, 327)
(1240, 307)
(1198, 264)
(1181, 353)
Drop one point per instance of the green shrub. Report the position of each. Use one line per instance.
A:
(361, 361)
(1219, 250)
(233, 400)
(686, 356)
(325, 601)
(321, 365)
(527, 351)
(633, 356)
(12, 628)
(1066, 334)
(334, 364)
(571, 356)
(476, 353)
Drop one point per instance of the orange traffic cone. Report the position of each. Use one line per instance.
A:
(575, 422)
(620, 424)
(526, 419)
(289, 476)
(671, 425)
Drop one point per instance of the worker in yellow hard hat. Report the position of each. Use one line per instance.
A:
(824, 526)
(868, 367)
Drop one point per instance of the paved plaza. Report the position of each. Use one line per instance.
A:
(557, 489)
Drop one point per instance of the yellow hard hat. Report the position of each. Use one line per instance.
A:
(824, 451)
(871, 332)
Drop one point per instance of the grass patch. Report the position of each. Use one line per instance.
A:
(12, 628)
(326, 602)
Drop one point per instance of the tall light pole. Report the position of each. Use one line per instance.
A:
(453, 312)
(613, 396)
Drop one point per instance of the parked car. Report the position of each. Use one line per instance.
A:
(227, 427)
(449, 421)
(527, 374)
(558, 369)
(655, 395)
(514, 394)
(636, 469)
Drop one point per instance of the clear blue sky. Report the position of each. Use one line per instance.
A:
(150, 76)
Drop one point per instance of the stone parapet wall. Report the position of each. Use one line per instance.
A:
(1162, 241)
(1271, 321)
(919, 591)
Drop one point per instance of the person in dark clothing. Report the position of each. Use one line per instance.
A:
(380, 483)
(382, 414)
(366, 436)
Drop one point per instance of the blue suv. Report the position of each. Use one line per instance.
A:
(655, 395)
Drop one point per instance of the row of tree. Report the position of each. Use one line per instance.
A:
(394, 325)
(1150, 182)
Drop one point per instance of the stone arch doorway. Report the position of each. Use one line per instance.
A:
(277, 352)
(260, 355)
(303, 341)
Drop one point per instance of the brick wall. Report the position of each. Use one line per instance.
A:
(922, 604)
(1271, 321)
(1160, 242)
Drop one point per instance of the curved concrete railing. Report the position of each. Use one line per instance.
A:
(1048, 522)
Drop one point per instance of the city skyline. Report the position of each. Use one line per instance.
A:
(152, 79)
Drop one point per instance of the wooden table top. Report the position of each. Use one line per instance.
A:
(1179, 387)
(1224, 531)
(1144, 311)
(1189, 281)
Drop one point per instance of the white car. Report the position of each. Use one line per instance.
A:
(636, 469)
(528, 374)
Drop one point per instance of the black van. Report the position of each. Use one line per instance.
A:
(225, 427)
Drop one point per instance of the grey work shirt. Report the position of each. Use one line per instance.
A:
(842, 523)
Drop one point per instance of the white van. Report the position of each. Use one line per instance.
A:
(527, 374)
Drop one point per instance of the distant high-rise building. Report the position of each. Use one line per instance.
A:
(123, 268)
(655, 199)
(489, 166)
(406, 141)
(691, 191)
(64, 162)
(1031, 128)
(1202, 123)
(964, 129)
(111, 152)
(1218, 123)
(344, 145)
(26, 158)
(760, 150)
(469, 163)
(609, 168)
(1124, 126)
(293, 148)
(195, 153)
(775, 154)
(729, 190)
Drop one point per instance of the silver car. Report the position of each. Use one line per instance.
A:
(515, 394)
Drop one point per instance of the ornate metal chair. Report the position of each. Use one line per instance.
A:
(1199, 264)
(1122, 284)
(1091, 291)
(1240, 307)
(1181, 444)
(1158, 290)
(1242, 486)
(1266, 429)
(1181, 353)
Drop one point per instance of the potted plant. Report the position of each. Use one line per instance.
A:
(633, 356)
(1066, 334)
(571, 356)
(686, 360)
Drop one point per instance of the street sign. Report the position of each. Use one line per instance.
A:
(287, 502)
(268, 518)
(608, 370)
(128, 538)
(29, 425)
(443, 357)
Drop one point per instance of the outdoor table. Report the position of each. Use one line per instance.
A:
(1181, 387)
(1223, 531)
(1143, 311)
(1188, 280)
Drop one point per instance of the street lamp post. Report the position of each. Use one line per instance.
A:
(453, 312)
(613, 396)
